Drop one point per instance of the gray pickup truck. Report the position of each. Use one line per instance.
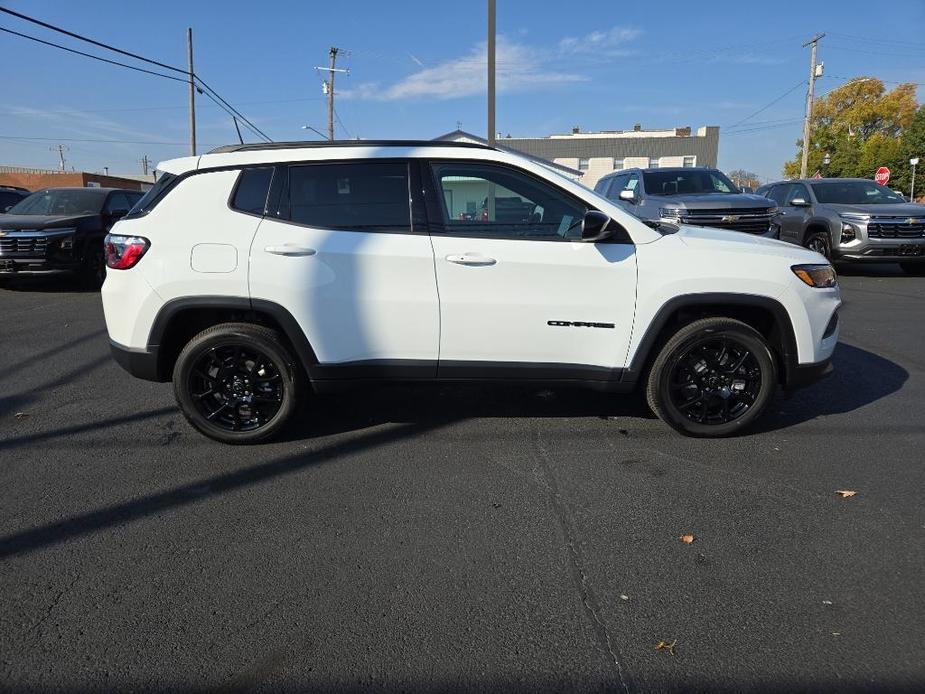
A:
(851, 220)
(690, 195)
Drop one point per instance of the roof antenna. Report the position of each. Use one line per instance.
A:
(240, 139)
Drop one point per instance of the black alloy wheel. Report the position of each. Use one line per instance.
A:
(819, 242)
(236, 382)
(712, 378)
(715, 380)
(236, 387)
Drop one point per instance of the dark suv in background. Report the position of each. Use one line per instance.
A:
(690, 195)
(851, 219)
(10, 195)
(61, 230)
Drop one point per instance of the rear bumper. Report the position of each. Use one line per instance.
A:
(141, 363)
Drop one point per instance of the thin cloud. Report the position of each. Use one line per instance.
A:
(519, 68)
(611, 42)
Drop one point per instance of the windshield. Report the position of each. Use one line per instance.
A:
(63, 201)
(854, 193)
(692, 182)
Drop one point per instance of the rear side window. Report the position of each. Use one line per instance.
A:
(154, 195)
(250, 194)
(363, 196)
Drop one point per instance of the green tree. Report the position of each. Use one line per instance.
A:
(860, 126)
(913, 145)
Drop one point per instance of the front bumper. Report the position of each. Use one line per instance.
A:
(35, 266)
(807, 374)
(877, 242)
(141, 363)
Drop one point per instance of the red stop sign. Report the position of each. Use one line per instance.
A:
(882, 176)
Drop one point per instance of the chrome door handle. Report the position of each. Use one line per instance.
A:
(471, 260)
(288, 249)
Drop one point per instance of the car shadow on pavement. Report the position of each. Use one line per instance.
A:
(423, 404)
(872, 270)
(860, 379)
(58, 284)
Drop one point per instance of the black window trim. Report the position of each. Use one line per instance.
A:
(280, 177)
(435, 213)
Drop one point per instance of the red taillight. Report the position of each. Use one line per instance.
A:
(123, 252)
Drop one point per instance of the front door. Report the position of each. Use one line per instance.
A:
(521, 295)
(340, 253)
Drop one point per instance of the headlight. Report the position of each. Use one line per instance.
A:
(819, 276)
(670, 212)
(848, 233)
(773, 210)
(855, 216)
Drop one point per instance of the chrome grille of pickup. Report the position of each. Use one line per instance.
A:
(24, 245)
(896, 228)
(749, 221)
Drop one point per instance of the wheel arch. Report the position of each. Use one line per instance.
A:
(181, 319)
(767, 315)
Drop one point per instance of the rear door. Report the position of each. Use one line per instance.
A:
(339, 251)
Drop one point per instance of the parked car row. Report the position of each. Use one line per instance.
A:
(61, 230)
(845, 220)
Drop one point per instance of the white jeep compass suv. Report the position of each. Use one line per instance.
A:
(256, 273)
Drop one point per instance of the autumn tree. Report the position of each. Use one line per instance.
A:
(861, 126)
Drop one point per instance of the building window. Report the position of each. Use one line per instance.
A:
(653, 162)
(617, 164)
(689, 162)
(582, 164)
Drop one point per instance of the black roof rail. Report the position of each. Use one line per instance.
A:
(304, 144)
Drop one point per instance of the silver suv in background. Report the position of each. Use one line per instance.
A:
(696, 196)
(851, 220)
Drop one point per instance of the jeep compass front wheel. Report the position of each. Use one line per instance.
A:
(236, 382)
(714, 377)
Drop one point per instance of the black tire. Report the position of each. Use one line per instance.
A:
(914, 269)
(93, 272)
(820, 242)
(700, 391)
(237, 382)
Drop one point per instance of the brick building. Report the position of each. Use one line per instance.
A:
(36, 179)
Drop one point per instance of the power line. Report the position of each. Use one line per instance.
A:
(78, 111)
(215, 96)
(90, 55)
(74, 139)
(89, 40)
(337, 115)
(769, 105)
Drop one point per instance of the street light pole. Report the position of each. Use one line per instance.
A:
(914, 161)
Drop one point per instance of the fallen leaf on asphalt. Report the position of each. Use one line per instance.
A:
(687, 539)
(665, 646)
(22, 415)
(845, 493)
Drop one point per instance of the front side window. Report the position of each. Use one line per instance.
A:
(250, 194)
(361, 196)
(797, 190)
(487, 201)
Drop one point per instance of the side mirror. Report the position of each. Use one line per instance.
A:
(628, 195)
(799, 202)
(747, 189)
(594, 227)
(7, 208)
(118, 214)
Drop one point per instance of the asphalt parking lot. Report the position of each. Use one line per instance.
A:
(443, 538)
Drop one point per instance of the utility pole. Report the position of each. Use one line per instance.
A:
(809, 101)
(60, 149)
(491, 73)
(144, 165)
(327, 87)
(192, 91)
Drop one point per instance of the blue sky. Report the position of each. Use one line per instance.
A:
(417, 69)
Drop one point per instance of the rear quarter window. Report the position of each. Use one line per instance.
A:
(250, 193)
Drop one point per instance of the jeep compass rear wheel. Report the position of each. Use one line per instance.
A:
(236, 382)
(713, 378)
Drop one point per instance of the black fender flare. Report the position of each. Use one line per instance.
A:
(788, 344)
